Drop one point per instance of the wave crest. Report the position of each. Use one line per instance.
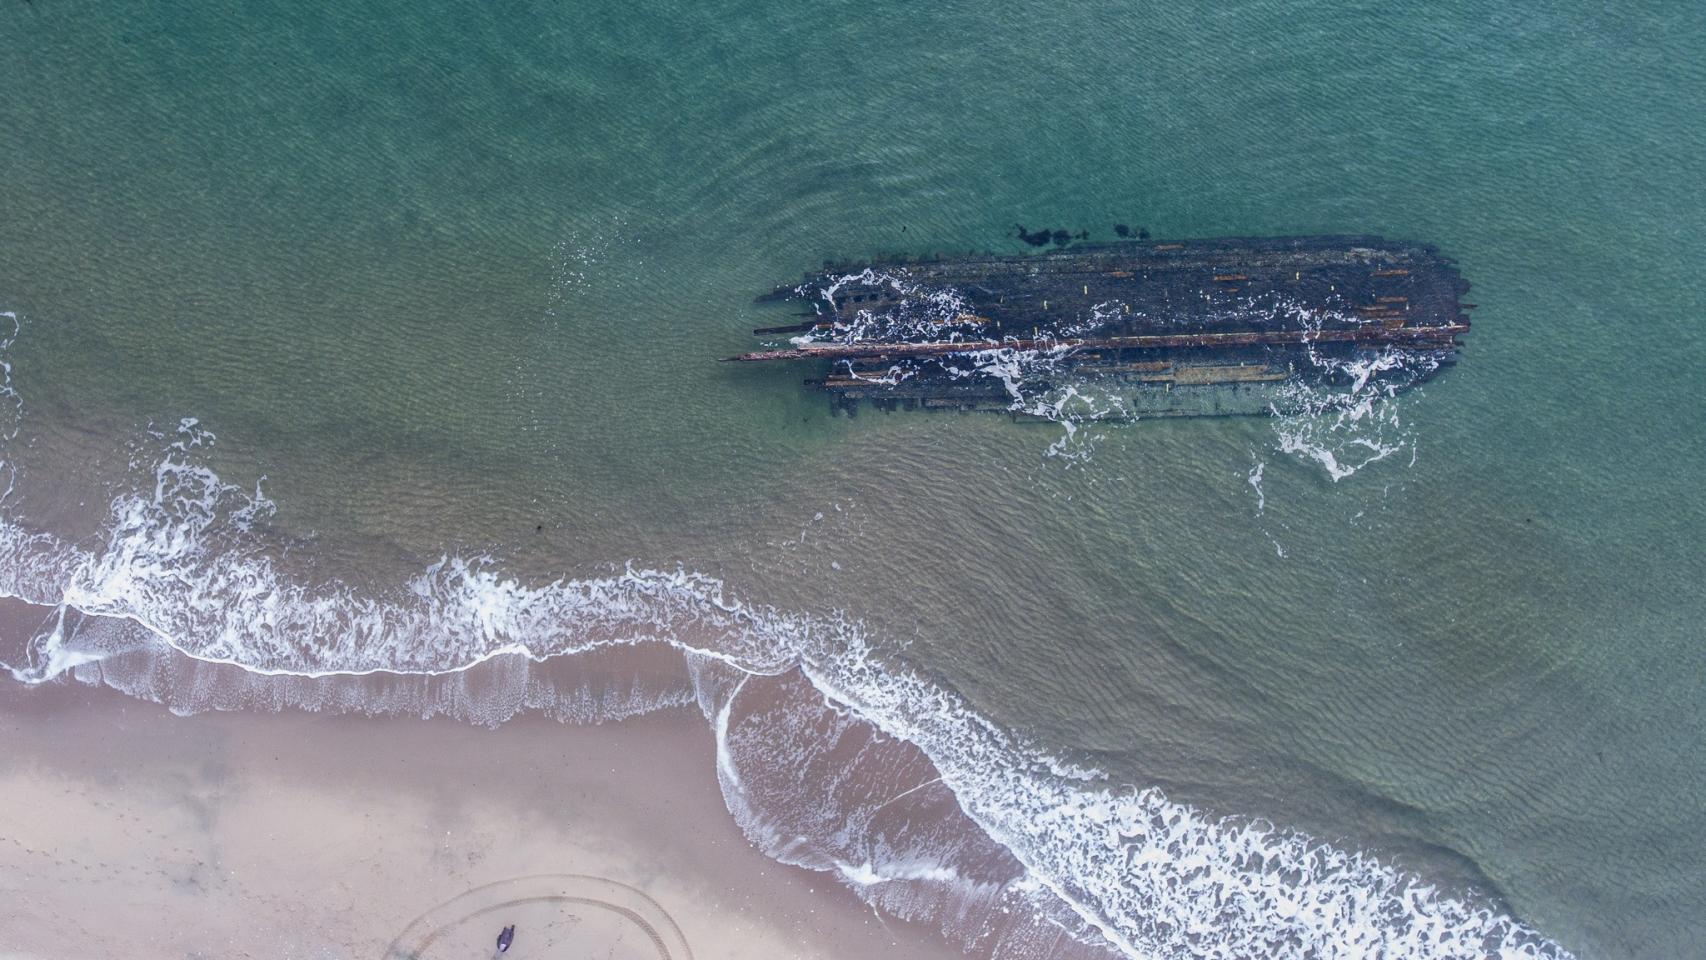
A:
(831, 755)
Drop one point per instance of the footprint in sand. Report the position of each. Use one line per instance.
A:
(591, 914)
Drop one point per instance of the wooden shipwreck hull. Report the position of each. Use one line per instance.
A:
(1233, 325)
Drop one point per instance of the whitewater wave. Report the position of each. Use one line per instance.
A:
(830, 753)
(11, 406)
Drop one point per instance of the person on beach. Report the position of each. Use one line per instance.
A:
(506, 936)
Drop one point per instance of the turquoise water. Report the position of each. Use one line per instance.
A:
(451, 278)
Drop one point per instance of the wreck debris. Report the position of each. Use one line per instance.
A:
(1179, 328)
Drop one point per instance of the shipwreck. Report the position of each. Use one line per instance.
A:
(1195, 327)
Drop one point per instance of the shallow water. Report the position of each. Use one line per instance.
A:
(446, 282)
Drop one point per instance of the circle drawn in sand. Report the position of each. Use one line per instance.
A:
(589, 914)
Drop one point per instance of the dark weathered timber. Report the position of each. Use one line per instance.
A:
(1241, 312)
(785, 328)
(1434, 336)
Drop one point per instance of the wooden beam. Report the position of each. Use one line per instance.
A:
(1372, 333)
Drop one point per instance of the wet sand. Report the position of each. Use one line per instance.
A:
(127, 831)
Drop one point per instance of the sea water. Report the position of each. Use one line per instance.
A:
(361, 359)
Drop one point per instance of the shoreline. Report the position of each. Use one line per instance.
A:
(133, 832)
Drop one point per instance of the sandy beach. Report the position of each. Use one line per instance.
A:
(126, 831)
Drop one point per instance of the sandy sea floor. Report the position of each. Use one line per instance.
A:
(132, 832)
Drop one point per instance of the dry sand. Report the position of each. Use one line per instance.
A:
(128, 832)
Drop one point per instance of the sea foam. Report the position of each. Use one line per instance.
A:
(832, 753)
(1339, 413)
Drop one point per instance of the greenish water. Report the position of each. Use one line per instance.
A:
(451, 278)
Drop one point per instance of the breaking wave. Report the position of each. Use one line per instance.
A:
(11, 406)
(831, 754)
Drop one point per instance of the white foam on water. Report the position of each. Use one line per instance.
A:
(1354, 420)
(1342, 416)
(1154, 876)
(1106, 868)
(1040, 385)
(926, 314)
(11, 405)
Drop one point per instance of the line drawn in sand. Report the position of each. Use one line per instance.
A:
(604, 912)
